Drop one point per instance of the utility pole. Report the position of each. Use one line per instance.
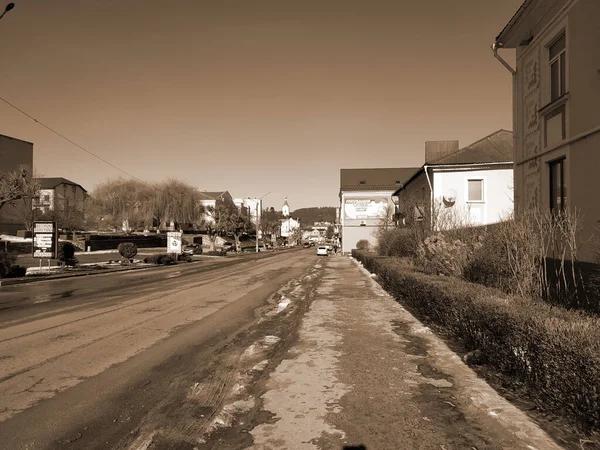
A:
(258, 200)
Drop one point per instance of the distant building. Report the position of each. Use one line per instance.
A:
(365, 200)
(288, 226)
(210, 200)
(13, 153)
(468, 186)
(60, 195)
(556, 108)
(285, 209)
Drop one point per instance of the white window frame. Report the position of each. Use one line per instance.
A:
(483, 190)
(557, 59)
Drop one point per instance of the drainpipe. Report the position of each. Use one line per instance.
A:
(430, 194)
(495, 47)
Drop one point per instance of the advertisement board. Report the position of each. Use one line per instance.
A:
(45, 240)
(174, 242)
(365, 209)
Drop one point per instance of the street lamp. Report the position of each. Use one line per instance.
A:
(7, 9)
(258, 218)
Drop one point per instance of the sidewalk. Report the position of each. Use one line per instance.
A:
(365, 371)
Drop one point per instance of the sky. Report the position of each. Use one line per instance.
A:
(250, 96)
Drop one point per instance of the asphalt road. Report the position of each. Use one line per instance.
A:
(100, 361)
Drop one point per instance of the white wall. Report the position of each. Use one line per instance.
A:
(352, 232)
(497, 193)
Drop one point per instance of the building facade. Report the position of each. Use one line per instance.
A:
(556, 107)
(365, 201)
(471, 186)
(13, 153)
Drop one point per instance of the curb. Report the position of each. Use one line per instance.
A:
(33, 279)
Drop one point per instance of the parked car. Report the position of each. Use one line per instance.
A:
(322, 250)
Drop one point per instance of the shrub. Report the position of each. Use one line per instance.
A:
(66, 253)
(216, 253)
(127, 250)
(554, 352)
(363, 244)
(397, 242)
(161, 259)
(7, 261)
(443, 257)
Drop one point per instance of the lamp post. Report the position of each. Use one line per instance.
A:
(7, 9)
(258, 218)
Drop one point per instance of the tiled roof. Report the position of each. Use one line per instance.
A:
(495, 148)
(374, 179)
(51, 183)
(205, 195)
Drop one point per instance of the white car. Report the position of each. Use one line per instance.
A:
(322, 250)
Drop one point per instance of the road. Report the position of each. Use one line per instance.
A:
(86, 361)
(273, 351)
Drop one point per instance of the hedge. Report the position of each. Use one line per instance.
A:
(554, 352)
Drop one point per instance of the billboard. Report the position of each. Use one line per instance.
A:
(45, 240)
(174, 242)
(367, 210)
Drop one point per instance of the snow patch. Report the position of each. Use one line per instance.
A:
(228, 413)
(142, 442)
(283, 304)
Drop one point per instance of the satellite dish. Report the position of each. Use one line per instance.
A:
(449, 198)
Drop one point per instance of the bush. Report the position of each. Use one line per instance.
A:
(66, 253)
(488, 265)
(363, 244)
(443, 257)
(397, 242)
(7, 262)
(164, 259)
(216, 253)
(127, 250)
(554, 352)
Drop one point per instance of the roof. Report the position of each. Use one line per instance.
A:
(51, 183)
(513, 20)
(494, 148)
(374, 179)
(15, 139)
(214, 195)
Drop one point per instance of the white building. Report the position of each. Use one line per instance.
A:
(365, 197)
(470, 186)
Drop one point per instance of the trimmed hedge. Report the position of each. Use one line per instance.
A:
(554, 352)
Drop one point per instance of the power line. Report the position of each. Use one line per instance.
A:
(70, 141)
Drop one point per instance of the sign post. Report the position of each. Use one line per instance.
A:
(45, 241)
(174, 242)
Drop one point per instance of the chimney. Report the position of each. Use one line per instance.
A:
(436, 150)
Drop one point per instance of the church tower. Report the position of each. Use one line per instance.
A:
(285, 209)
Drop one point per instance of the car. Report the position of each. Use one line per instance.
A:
(322, 250)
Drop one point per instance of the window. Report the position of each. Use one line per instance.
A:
(558, 191)
(475, 191)
(558, 63)
(46, 198)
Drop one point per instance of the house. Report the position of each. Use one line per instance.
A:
(365, 201)
(13, 153)
(249, 207)
(210, 200)
(461, 187)
(60, 195)
(556, 108)
(288, 226)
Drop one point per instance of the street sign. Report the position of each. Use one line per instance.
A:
(174, 242)
(45, 240)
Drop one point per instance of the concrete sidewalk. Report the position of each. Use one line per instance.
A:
(365, 371)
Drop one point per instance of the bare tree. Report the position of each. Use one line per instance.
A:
(17, 185)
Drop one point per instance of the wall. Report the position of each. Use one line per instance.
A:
(13, 153)
(416, 192)
(582, 115)
(497, 191)
(352, 231)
